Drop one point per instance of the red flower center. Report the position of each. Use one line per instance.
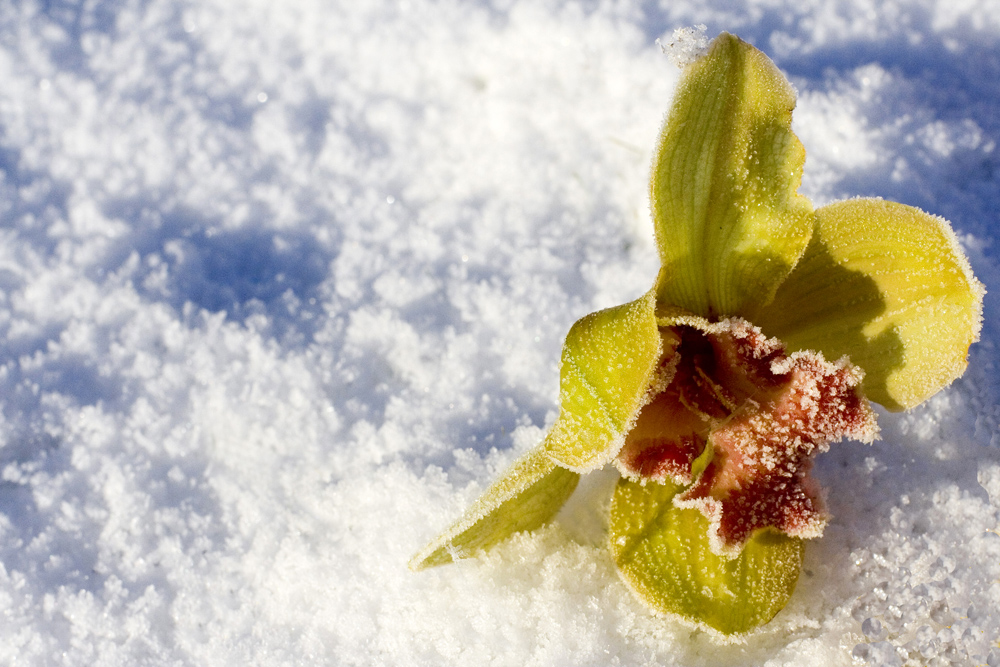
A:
(762, 413)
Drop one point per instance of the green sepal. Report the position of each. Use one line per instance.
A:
(608, 364)
(663, 553)
(528, 495)
(729, 223)
(888, 285)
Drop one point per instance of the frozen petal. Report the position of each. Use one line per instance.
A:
(610, 369)
(758, 474)
(529, 494)
(665, 441)
(729, 223)
(888, 285)
(611, 366)
(663, 553)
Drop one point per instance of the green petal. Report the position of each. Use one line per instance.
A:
(529, 494)
(729, 224)
(888, 285)
(662, 552)
(608, 364)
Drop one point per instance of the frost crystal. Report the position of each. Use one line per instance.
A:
(686, 45)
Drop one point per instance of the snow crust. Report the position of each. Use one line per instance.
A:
(283, 287)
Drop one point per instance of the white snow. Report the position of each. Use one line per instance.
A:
(283, 286)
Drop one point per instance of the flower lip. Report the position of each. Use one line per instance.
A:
(763, 415)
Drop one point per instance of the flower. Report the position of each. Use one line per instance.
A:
(712, 392)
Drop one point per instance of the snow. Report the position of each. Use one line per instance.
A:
(283, 287)
(687, 45)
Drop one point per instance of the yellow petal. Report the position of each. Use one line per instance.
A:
(663, 553)
(729, 223)
(609, 362)
(529, 494)
(888, 285)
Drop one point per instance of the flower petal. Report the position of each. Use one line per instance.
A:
(667, 438)
(529, 494)
(888, 285)
(758, 475)
(609, 362)
(729, 223)
(663, 553)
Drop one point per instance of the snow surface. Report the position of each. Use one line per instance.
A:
(283, 286)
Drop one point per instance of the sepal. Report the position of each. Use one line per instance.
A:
(663, 553)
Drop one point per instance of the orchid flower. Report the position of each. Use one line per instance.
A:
(770, 326)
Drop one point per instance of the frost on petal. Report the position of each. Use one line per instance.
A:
(528, 495)
(889, 286)
(672, 429)
(665, 441)
(758, 475)
(611, 367)
(613, 363)
(687, 45)
(729, 222)
(663, 553)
